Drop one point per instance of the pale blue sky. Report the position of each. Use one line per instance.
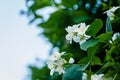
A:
(19, 42)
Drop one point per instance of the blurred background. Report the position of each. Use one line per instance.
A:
(20, 44)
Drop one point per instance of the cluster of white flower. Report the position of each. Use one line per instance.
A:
(110, 12)
(77, 33)
(56, 62)
(97, 77)
(93, 77)
(115, 36)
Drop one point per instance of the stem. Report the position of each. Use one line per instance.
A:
(115, 76)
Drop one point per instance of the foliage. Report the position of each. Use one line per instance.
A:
(98, 55)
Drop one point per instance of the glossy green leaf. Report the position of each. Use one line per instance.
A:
(88, 44)
(94, 28)
(72, 72)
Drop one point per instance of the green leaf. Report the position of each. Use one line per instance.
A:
(80, 16)
(96, 61)
(88, 44)
(116, 20)
(93, 50)
(40, 4)
(67, 56)
(80, 19)
(108, 25)
(94, 27)
(106, 66)
(108, 56)
(84, 60)
(105, 37)
(72, 73)
(69, 3)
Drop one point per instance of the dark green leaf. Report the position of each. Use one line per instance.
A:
(88, 44)
(80, 19)
(106, 66)
(84, 60)
(105, 37)
(116, 20)
(94, 27)
(69, 3)
(93, 50)
(96, 61)
(80, 16)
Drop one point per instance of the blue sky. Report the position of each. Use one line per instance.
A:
(19, 42)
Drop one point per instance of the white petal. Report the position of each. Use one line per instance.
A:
(69, 36)
(115, 36)
(97, 77)
(51, 72)
(82, 41)
(76, 39)
(60, 69)
(113, 9)
(71, 60)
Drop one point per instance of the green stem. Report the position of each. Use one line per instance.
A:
(115, 76)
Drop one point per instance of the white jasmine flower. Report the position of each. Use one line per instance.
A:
(81, 38)
(82, 28)
(84, 76)
(110, 12)
(115, 36)
(56, 62)
(97, 77)
(71, 32)
(77, 33)
(71, 60)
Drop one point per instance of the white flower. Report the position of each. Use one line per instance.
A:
(115, 36)
(110, 12)
(84, 76)
(71, 32)
(77, 33)
(82, 28)
(56, 62)
(71, 60)
(97, 77)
